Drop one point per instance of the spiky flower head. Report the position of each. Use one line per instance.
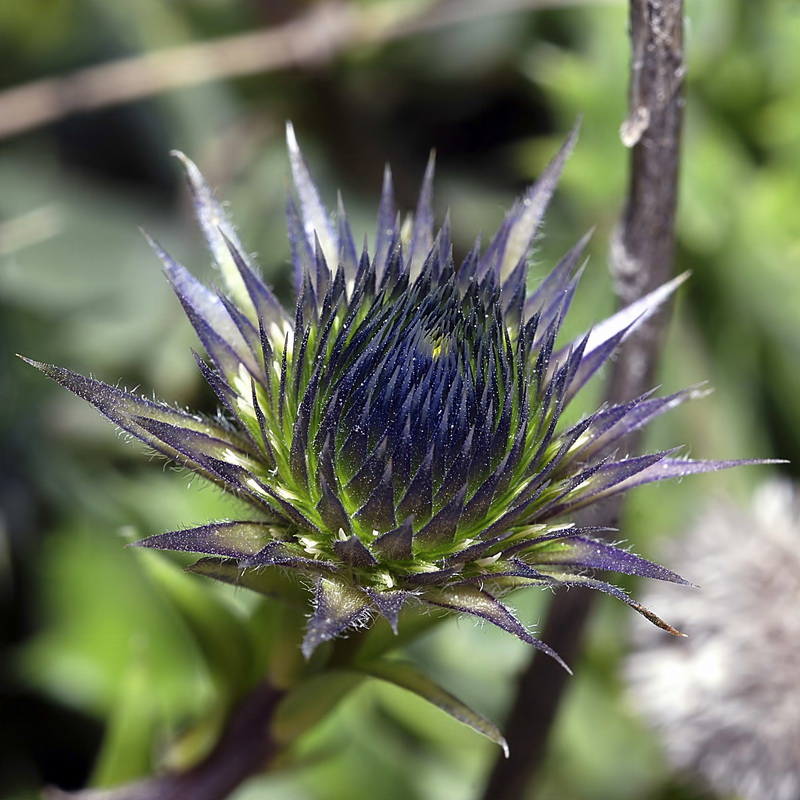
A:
(397, 435)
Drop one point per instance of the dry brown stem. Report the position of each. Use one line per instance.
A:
(642, 257)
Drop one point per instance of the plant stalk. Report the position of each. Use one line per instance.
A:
(641, 259)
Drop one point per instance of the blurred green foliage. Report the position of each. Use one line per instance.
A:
(96, 639)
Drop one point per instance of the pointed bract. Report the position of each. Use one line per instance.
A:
(316, 222)
(337, 607)
(232, 539)
(407, 676)
(219, 233)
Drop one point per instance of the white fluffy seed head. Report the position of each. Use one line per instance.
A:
(726, 701)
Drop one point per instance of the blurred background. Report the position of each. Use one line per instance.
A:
(99, 668)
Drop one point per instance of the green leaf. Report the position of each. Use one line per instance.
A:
(379, 638)
(408, 677)
(222, 637)
(275, 627)
(310, 701)
(127, 745)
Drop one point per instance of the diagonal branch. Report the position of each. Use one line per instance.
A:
(642, 256)
(244, 749)
(315, 37)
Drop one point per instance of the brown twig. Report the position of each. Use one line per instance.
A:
(313, 38)
(306, 40)
(244, 749)
(642, 256)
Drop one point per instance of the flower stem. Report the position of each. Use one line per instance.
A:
(244, 749)
(642, 256)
